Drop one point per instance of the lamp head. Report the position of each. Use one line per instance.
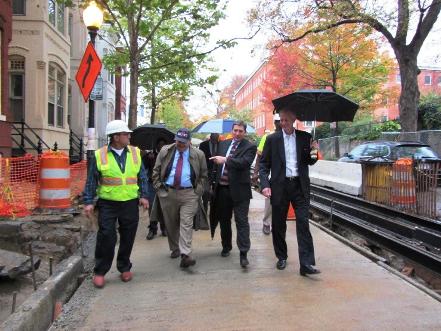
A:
(93, 16)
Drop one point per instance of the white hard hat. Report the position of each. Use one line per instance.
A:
(117, 126)
(276, 117)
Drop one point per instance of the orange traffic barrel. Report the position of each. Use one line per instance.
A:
(54, 181)
(291, 214)
(403, 185)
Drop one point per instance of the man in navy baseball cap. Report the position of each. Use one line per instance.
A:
(183, 135)
(180, 181)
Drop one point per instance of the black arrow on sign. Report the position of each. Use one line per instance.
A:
(89, 62)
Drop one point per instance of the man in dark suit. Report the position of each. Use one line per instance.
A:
(287, 155)
(209, 147)
(233, 189)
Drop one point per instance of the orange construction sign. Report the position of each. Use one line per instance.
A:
(88, 71)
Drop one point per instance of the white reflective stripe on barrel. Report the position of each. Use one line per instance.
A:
(55, 173)
(54, 194)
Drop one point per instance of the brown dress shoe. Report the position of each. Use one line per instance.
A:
(98, 281)
(126, 276)
(187, 261)
(175, 254)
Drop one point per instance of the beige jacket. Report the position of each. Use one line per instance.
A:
(163, 166)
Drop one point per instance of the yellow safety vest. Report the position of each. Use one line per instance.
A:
(115, 185)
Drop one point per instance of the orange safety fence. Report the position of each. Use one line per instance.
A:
(78, 173)
(20, 184)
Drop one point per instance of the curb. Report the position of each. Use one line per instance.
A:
(37, 312)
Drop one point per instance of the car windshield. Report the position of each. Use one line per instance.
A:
(376, 150)
(356, 152)
(417, 152)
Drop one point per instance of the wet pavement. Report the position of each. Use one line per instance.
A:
(352, 293)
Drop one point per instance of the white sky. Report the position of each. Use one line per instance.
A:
(242, 59)
(245, 57)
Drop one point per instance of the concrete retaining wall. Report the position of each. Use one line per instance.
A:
(36, 313)
(340, 176)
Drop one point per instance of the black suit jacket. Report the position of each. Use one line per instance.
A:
(238, 168)
(205, 147)
(273, 160)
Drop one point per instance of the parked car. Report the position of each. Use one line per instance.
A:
(385, 151)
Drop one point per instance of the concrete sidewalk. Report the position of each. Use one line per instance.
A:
(352, 293)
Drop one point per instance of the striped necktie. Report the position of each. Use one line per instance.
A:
(224, 178)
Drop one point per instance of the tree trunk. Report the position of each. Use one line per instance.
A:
(410, 93)
(154, 105)
(133, 107)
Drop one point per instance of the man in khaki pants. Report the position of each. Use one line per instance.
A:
(179, 177)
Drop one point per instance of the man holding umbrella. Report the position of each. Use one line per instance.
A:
(286, 155)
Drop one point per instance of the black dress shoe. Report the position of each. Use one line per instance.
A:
(187, 261)
(164, 233)
(243, 260)
(308, 270)
(151, 235)
(175, 254)
(266, 229)
(281, 264)
(225, 252)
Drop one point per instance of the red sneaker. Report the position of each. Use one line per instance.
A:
(126, 276)
(98, 281)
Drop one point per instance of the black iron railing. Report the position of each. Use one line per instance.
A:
(23, 134)
(76, 148)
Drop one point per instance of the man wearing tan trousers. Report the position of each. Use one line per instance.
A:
(179, 177)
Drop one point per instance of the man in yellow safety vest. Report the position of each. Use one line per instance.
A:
(117, 176)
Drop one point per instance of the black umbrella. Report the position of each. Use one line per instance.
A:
(213, 218)
(146, 136)
(317, 105)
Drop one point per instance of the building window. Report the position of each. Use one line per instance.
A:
(56, 97)
(17, 86)
(69, 31)
(56, 15)
(398, 78)
(18, 7)
(110, 113)
(427, 80)
(69, 104)
(308, 124)
(110, 78)
(439, 80)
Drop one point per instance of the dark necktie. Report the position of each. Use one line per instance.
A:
(224, 178)
(178, 171)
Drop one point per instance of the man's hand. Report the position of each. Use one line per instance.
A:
(314, 150)
(88, 210)
(266, 192)
(218, 159)
(144, 202)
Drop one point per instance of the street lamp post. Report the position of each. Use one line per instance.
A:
(93, 18)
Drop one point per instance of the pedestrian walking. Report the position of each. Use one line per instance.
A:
(149, 160)
(287, 155)
(179, 177)
(116, 175)
(233, 189)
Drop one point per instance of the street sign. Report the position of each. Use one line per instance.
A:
(97, 91)
(88, 71)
